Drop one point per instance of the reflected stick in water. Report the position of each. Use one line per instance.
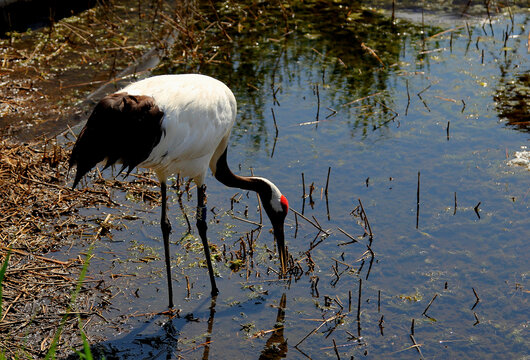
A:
(408, 97)
(381, 322)
(276, 136)
(454, 212)
(393, 12)
(318, 104)
(304, 195)
(353, 240)
(476, 296)
(326, 193)
(208, 339)
(476, 318)
(276, 345)
(336, 350)
(359, 308)
(476, 209)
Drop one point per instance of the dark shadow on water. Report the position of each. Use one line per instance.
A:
(163, 344)
(154, 341)
(21, 15)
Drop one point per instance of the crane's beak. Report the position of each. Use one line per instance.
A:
(280, 241)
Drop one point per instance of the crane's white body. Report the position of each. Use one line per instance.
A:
(199, 112)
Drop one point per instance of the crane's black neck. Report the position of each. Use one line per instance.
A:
(224, 175)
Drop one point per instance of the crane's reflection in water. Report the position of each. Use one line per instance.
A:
(141, 343)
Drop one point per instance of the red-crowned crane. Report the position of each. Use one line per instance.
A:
(174, 124)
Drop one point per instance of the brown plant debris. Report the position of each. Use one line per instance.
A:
(39, 215)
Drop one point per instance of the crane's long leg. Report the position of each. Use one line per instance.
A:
(202, 227)
(166, 229)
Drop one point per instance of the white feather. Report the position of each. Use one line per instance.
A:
(199, 112)
(276, 198)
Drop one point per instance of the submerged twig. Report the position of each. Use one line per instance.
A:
(430, 303)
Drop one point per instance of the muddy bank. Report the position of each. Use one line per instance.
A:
(47, 74)
(14, 14)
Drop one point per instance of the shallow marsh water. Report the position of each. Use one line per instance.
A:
(378, 127)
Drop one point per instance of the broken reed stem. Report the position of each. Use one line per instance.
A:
(379, 301)
(188, 286)
(348, 235)
(416, 346)
(371, 261)
(412, 327)
(303, 187)
(365, 217)
(247, 221)
(430, 303)
(318, 227)
(327, 181)
(418, 202)
(476, 295)
(454, 212)
(296, 225)
(318, 327)
(372, 53)
(408, 97)
(447, 129)
(359, 301)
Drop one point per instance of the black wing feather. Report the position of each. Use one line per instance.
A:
(122, 128)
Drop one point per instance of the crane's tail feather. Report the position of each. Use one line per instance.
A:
(122, 128)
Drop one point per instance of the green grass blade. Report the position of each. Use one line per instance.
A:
(53, 347)
(2, 274)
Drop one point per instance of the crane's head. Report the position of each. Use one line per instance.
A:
(276, 207)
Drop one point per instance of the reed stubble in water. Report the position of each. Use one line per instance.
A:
(418, 202)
